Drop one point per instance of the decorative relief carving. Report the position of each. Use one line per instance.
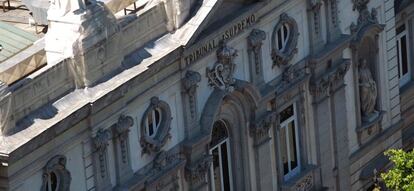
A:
(282, 57)
(290, 75)
(56, 167)
(101, 142)
(260, 129)
(305, 184)
(365, 16)
(221, 75)
(255, 42)
(190, 82)
(367, 92)
(155, 143)
(325, 84)
(198, 172)
(122, 130)
(315, 7)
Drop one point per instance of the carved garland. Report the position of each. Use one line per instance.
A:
(282, 58)
(122, 130)
(190, 82)
(154, 144)
(101, 143)
(221, 75)
(56, 166)
(255, 42)
(260, 129)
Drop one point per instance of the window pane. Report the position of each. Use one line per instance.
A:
(53, 180)
(404, 57)
(398, 59)
(157, 117)
(292, 145)
(285, 114)
(283, 150)
(216, 170)
(279, 39)
(225, 167)
(218, 134)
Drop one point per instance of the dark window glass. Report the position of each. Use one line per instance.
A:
(218, 134)
(404, 55)
(400, 29)
(398, 59)
(286, 113)
(224, 162)
(279, 39)
(157, 117)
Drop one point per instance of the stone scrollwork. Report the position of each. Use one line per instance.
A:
(221, 75)
(101, 143)
(153, 144)
(260, 129)
(198, 172)
(290, 75)
(122, 130)
(56, 167)
(324, 85)
(282, 57)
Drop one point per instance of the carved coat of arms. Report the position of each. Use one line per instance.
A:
(221, 75)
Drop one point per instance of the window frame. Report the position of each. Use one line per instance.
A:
(155, 124)
(284, 124)
(229, 163)
(284, 39)
(403, 79)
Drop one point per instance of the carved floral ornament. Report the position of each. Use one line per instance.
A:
(323, 86)
(365, 17)
(153, 144)
(261, 128)
(221, 75)
(282, 55)
(55, 175)
(197, 172)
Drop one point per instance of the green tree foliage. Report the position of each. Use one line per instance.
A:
(401, 175)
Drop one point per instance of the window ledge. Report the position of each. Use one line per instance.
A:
(305, 180)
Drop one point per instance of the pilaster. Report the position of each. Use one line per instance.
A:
(103, 180)
(259, 131)
(254, 43)
(121, 143)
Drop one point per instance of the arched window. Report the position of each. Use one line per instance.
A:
(55, 175)
(220, 170)
(154, 118)
(282, 37)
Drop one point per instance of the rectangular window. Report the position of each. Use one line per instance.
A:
(289, 142)
(404, 73)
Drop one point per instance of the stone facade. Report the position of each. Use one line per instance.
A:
(307, 93)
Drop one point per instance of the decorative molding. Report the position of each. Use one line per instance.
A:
(190, 82)
(282, 58)
(254, 43)
(315, 7)
(365, 16)
(324, 85)
(57, 165)
(154, 144)
(305, 184)
(290, 75)
(101, 142)
(121, 132)
(260, 129)
(198, 172)
(221, 75)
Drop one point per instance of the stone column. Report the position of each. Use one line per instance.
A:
(259, 131)
(255, 42)
(121, 144)
(102, 178)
